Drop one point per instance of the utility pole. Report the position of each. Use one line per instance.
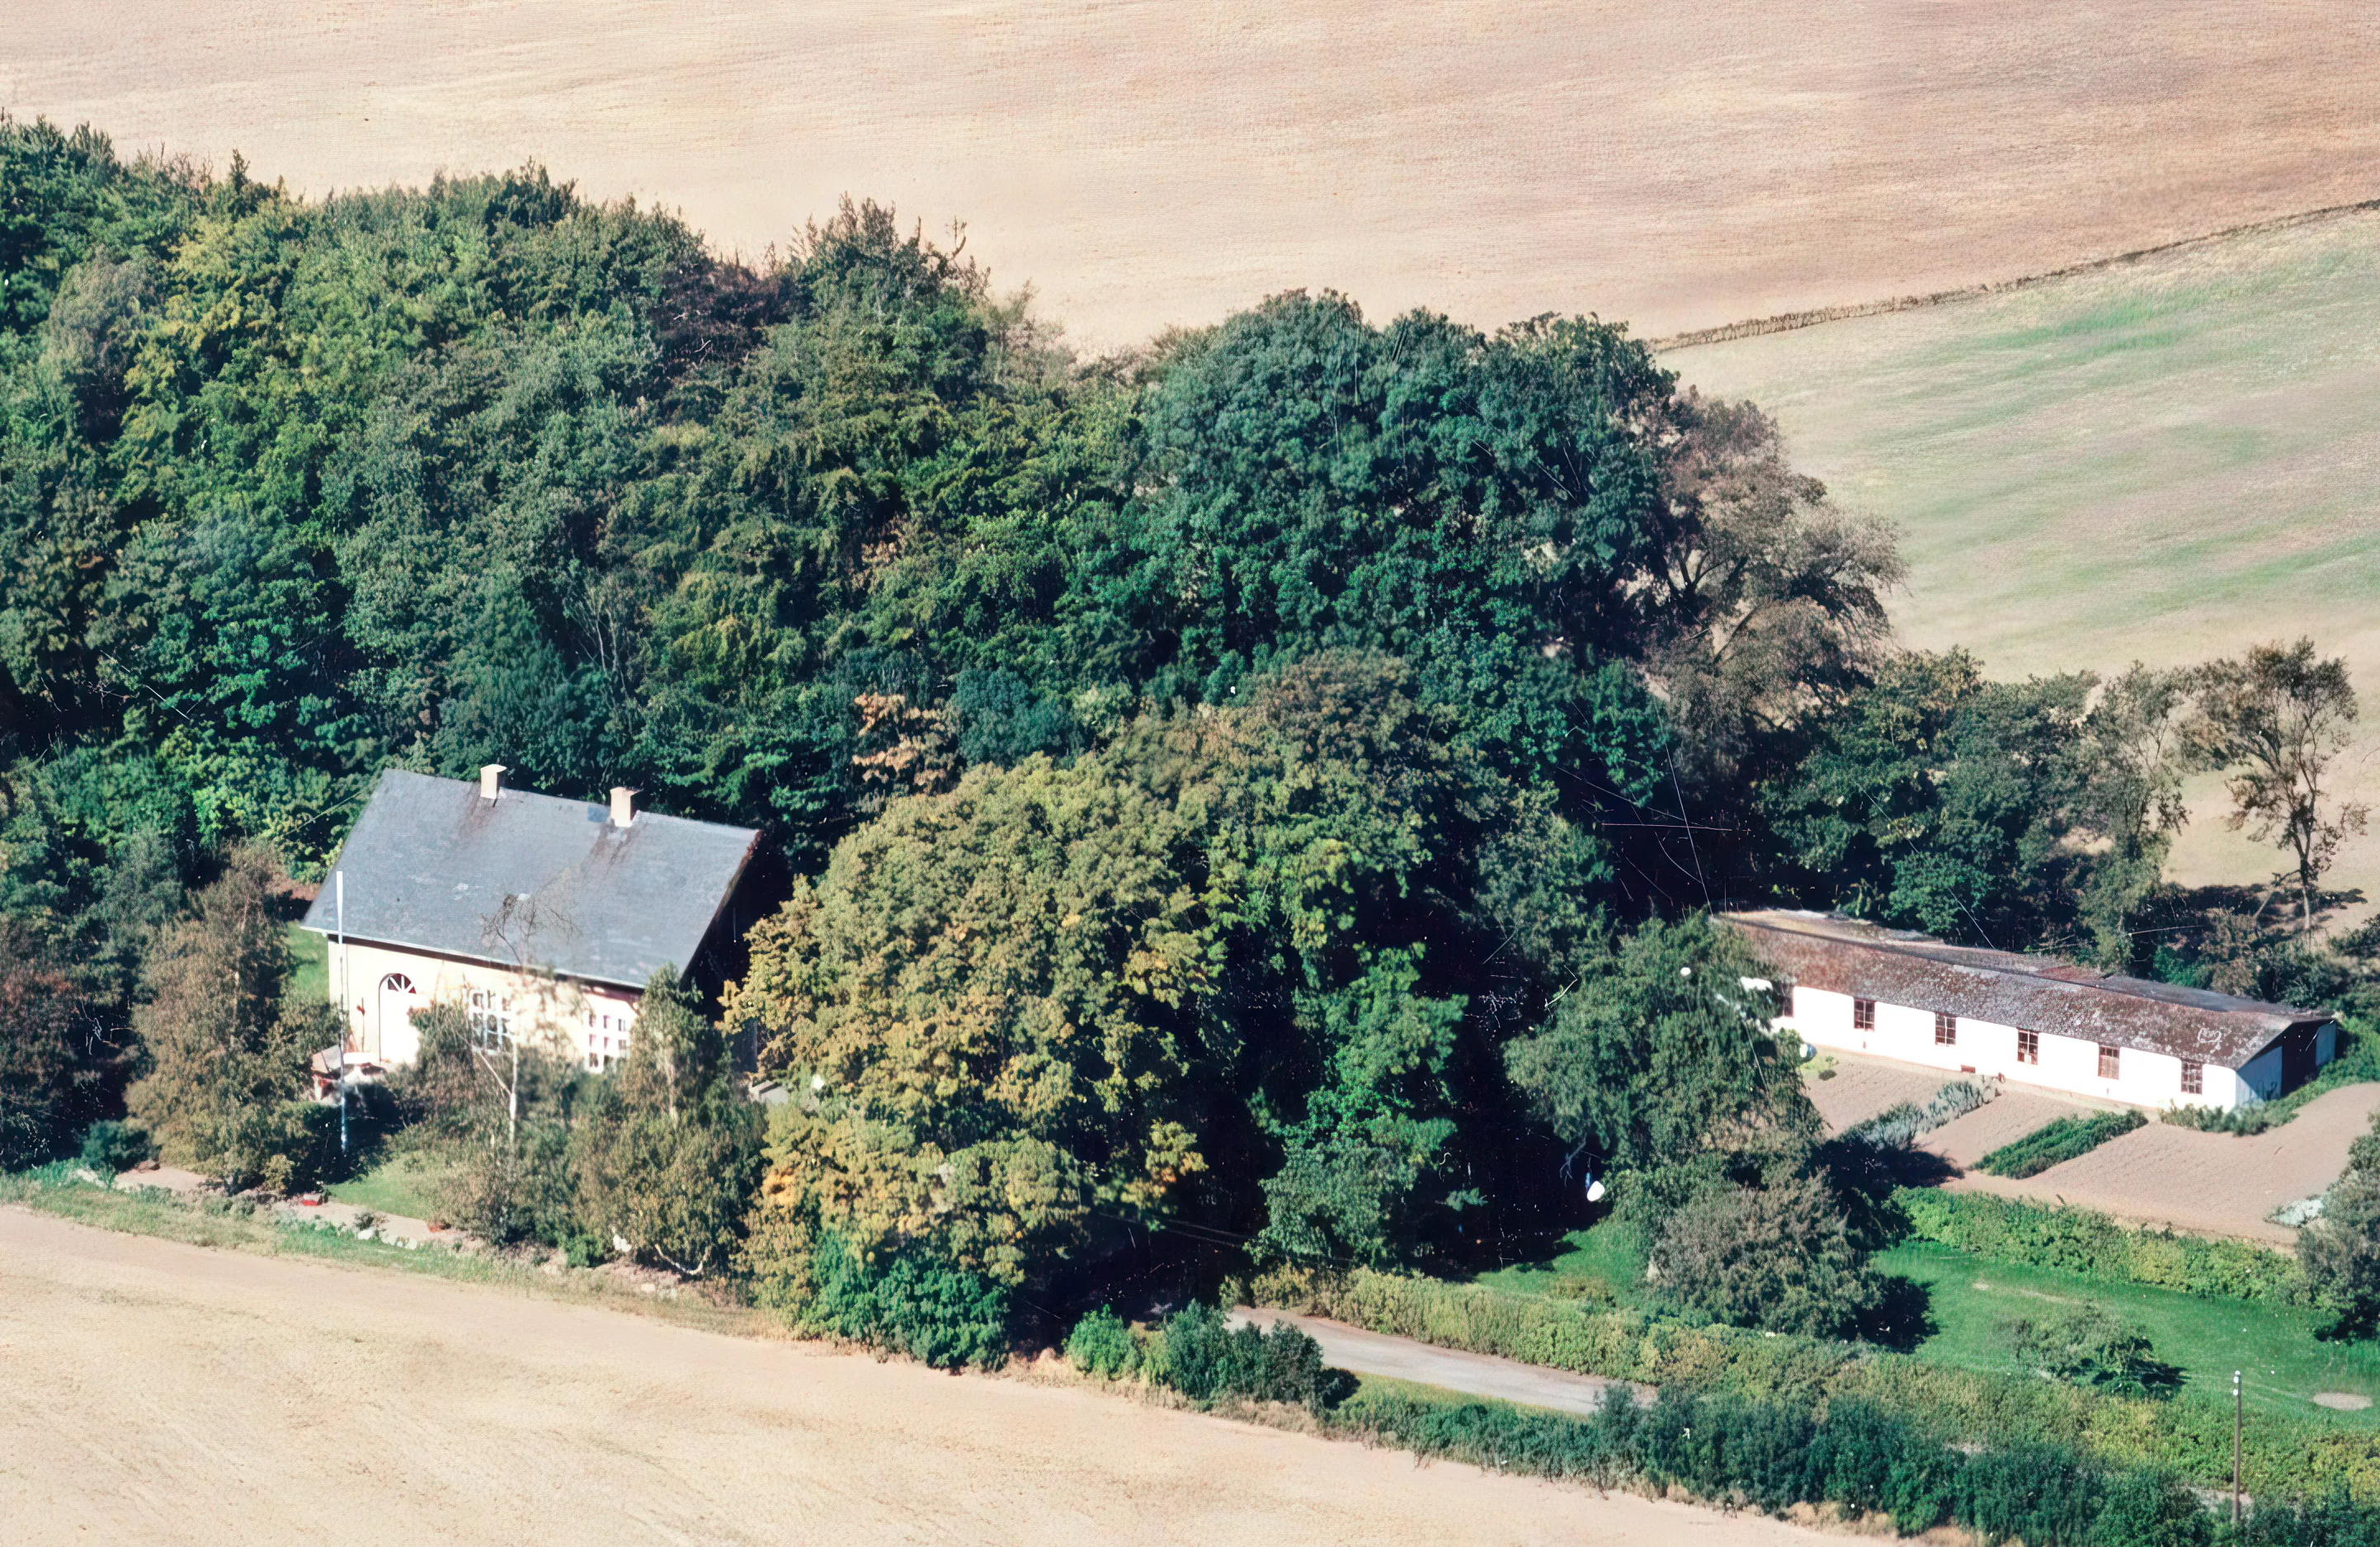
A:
(347, 1010)
(2234, 1450)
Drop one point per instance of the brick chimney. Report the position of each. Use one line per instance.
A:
(624, 806)
(491, 780)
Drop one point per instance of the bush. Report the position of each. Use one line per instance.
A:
(666, 1152)
(1101, 1345)
(1206, 1359)
(2093, 1245)
(2056, 1142)
(110, 1147)
(2089, 1345)
(931, 1310)
(1779, 1257)
(1901, 1125)
(2340, 1251)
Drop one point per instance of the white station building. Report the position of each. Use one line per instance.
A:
(2031, 1020)
(541, 917)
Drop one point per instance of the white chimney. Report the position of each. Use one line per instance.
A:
(624, 806)
(491, 780)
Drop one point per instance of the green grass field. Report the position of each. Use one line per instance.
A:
(2166, 461)
(397, 1186)
(2284, 1363)
(1971, 1299)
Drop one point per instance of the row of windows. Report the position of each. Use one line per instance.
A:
(2028, 1046)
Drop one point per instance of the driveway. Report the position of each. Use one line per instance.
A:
(1400, 1358)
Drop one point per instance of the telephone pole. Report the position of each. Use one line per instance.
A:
(2234, 1450)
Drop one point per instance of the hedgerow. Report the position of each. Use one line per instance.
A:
(2187, 1434)
(1770, 1455)
(2090, 1245)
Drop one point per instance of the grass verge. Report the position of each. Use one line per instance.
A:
(225, 1226)
(401, 1185)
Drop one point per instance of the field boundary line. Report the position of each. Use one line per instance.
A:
(1788, 322)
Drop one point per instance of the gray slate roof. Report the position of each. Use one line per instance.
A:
(2037, 994)
(531, 879)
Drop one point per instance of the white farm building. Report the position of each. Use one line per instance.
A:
(539, 916)
(2030, 1019)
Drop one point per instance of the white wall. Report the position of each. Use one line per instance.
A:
(582, 1020)
(1822, 1019)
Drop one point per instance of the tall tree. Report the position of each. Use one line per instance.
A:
(2135, 750)
(224, 1061)
(2273, 720)
(668, 1151)
(48, 1079)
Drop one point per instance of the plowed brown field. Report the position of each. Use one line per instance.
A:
(2211, 1183)
(1160, 161)
(156, 1392)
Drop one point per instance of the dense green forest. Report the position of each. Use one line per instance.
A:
(1236, 781)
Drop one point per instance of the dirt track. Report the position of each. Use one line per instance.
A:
(157, 1393)
(1150, 162)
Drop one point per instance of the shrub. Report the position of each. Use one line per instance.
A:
(908, 1301)
(1777, 1258)
(1206, 1359)
(2060, 1140)
(1771, 1456)
(1101, 1345)
(2093, 1245)
(2340, 1251)
(2089, 1345)
(667, 1153)
(1901, 1125)
(110, 1147)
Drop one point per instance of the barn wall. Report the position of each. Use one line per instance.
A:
(1905, 1033)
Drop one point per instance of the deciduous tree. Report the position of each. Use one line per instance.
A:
(2273, 720)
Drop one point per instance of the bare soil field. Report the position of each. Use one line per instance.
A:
(2015, 1112)
(1863, 1086)
(2162, 461)
(159, 1393)
(1153, 162)
(2210, 1183)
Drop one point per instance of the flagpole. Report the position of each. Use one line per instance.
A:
(339, 903)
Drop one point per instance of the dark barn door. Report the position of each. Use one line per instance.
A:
(2297, 1057)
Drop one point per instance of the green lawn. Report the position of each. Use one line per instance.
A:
(1601, 1255)
(399, 1186)
(2285, 1364)
(1972, 1298)
(310, 981)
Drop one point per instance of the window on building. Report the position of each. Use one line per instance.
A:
(2110, 1059)
(2193, 1078)
(491, 1019)
(1863, 1014)
(1946, 1029)
(2028, 1047)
